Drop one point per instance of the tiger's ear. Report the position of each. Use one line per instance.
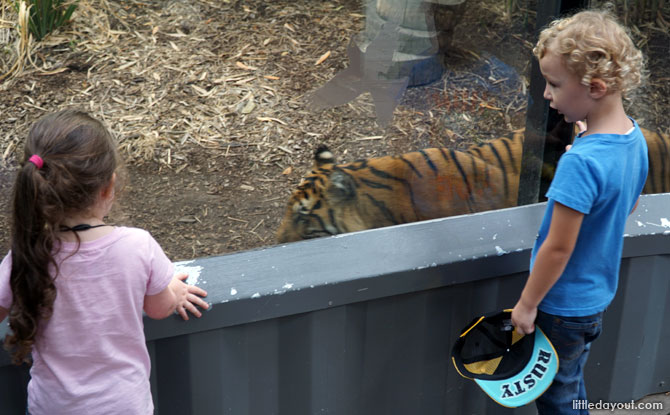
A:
(322, 156)
(342, 186)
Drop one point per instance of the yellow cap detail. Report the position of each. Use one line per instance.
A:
(487, 367)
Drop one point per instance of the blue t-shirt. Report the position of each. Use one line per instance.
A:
(602, 177)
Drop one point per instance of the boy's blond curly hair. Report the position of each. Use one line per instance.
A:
(595, 46)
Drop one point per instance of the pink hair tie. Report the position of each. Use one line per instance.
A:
(37, 161)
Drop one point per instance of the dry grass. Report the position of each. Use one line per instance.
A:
(23, 43)
(143, 70)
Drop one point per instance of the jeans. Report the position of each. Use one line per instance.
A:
(571, 337)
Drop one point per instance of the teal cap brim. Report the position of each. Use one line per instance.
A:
(529, 383)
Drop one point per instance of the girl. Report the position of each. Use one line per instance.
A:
(75, 287)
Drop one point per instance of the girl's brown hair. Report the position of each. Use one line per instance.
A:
(80, 158)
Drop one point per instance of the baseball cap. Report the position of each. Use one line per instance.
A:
(512, 368)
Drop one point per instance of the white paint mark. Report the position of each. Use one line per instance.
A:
(233, 291)
(256, 295)
(495, 236)
(640, 224)
(665, 223)
(426, 266)
(500, 251)
(287, 286)
(193, 272)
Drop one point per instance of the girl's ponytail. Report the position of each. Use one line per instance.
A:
(32, 286)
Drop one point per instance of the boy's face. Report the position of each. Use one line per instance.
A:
(564, 90)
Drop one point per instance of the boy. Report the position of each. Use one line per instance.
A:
(589, 63)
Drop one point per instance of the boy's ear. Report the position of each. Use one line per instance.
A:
(597, 88)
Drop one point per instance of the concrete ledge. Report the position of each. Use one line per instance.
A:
(311, 275)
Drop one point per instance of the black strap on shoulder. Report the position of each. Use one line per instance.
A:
(81, 227)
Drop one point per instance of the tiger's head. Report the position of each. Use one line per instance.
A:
(310, 211)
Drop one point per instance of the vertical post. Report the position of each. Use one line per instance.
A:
(540, 119)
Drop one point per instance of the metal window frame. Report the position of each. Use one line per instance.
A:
(540, 118)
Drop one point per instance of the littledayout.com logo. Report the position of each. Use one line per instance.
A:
(613, 406)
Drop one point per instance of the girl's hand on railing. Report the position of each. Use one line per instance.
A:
(187, 296)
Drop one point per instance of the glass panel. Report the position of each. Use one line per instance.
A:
(220, 106)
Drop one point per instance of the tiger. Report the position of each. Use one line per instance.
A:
(426, 184)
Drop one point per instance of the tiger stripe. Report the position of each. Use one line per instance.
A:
(411, 166)
(454, 159)
(428, 161)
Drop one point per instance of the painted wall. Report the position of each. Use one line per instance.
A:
(363, 323)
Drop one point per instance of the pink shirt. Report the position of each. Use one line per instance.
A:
(91, 356)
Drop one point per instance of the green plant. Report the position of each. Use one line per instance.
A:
(48, 15)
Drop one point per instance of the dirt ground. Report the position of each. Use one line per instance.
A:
(208, 101)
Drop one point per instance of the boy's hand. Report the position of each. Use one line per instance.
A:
(582, 127)
(523, 318)
(188, 296)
